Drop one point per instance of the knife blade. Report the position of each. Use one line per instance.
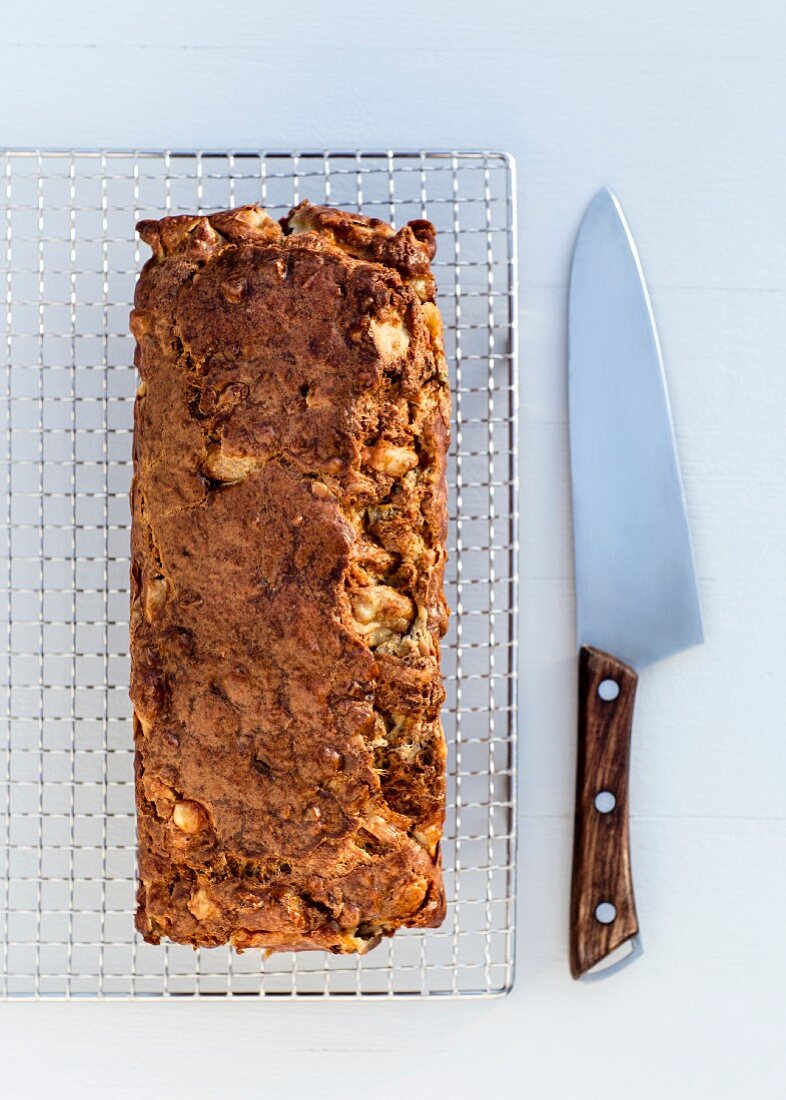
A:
(636, 594)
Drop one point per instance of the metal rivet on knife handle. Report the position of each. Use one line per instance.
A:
(603, 910)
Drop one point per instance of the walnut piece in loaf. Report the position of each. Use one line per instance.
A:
(288, 547)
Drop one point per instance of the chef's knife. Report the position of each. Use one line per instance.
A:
(636, 592)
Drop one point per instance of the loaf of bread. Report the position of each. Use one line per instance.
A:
(288, 546)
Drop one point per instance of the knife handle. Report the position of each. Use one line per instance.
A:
(601, 843)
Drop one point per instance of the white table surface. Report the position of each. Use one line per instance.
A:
(679, 105)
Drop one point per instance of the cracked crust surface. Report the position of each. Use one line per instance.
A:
(288, 547)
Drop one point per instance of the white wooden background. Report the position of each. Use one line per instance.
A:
(679, 104)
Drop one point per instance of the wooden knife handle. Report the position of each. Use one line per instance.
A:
(601, 844)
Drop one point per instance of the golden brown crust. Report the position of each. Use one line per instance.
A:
(288, 546)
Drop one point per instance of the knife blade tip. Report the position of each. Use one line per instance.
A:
(606, 196)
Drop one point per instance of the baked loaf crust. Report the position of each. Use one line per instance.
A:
(288, 546)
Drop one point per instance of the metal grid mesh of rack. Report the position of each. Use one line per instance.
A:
(67, 863)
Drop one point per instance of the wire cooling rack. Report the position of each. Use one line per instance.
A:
(67, 863)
